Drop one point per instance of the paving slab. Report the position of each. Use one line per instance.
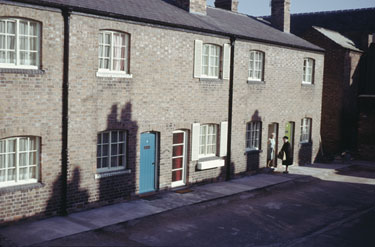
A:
(41, 231)
(261, 180)
(225, 188)
(109, 215)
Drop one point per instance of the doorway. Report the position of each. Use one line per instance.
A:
(289, 132)
(147, 175)
(272, 145)
(179, 156)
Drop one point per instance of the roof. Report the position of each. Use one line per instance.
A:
(337, 38)
(342, 20)
(164, 12)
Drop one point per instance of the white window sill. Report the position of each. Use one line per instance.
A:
(12, 66)
(209, 163)
(307, 83)
(113, 74)
(10, 184)
(102, 174)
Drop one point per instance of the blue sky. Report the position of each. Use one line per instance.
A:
(262, 7)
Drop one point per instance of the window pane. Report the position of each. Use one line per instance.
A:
(114, 161)
(178, 138)
(114, 149)
(2, 146)
(2, 57)
(32, 172)
(22, 159)
(2, 161)
(11, 175)
(107, 39)
(33, 44)
(10, 43)
(2, 41)
(105, 162)
(24, 58)
(11, 146)
(11, 28)
(32, 158)
(2, 176)
(33, 29)
(177, 163)
(2, 26)
(11, 160)
(11, 57)
(23, 144)
(121, 160)
(176, 175)
(105, 137)
(23, 173)
(114, 135)
(105, 150)
(178, 150)
(32, 143)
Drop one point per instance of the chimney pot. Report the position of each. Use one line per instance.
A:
(280, 17)
(231, 5)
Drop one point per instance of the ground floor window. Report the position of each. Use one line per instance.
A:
(111, 150)
(208, 140)
(19, 160)
(253, 133)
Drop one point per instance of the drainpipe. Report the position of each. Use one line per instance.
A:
(230, 109)
(65, 101)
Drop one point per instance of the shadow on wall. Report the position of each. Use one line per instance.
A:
(305, 153)
(121, 186)
(77, 198)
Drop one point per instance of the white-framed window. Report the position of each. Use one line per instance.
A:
(113, 53)
(256, 66)
(308, 71)
(19, 160)
(211, 61)
(207, 140)
(253, 134)
(19, 43)
(111, 151)
(306, 130)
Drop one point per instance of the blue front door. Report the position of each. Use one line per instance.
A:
(147, 169)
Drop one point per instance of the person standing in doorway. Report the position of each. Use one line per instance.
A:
(286, 154)
(271, 151)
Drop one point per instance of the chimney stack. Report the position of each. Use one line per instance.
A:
(231, 5)
(193, 6)
(280, 16)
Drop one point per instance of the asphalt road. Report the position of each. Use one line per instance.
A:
(307, 213)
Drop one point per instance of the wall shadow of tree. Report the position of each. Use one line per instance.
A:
(121, 186)
(77, 197)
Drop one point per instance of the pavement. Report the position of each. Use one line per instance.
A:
(37, 232)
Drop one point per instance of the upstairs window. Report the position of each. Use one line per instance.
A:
(211, 61)
(207, 140)
(19, 160)
(19, 43)
(256, 66)
(253, 133)
(308, 71)
(113, 52)
(306, 130)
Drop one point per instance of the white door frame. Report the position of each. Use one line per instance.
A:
(184, 160)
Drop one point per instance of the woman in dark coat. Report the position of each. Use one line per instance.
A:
(286, 154)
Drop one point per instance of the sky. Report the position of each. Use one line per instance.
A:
(262, 7)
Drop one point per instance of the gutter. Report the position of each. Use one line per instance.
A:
(65, 114)
(230, 110)
(155, 22)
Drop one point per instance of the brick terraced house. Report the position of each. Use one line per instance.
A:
(105, 100)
